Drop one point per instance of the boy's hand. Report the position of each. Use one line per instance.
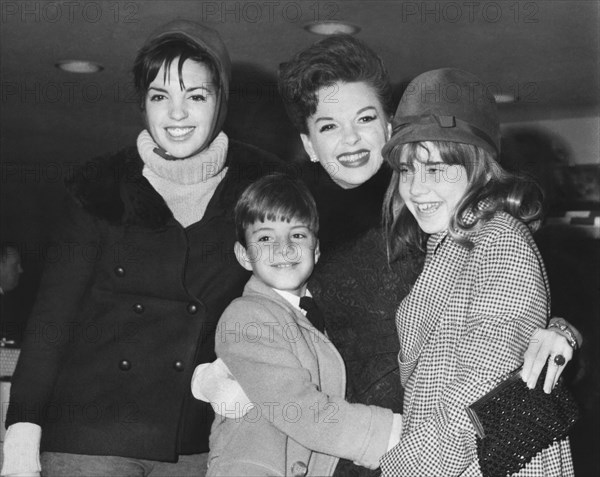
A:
(214, 383)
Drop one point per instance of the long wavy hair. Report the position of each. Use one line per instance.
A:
(488, 183)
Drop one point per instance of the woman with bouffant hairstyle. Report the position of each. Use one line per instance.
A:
(338, 95)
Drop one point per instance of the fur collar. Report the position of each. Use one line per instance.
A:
(114, 189)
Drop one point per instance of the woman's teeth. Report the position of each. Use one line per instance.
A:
(179, 132)
(353, 157)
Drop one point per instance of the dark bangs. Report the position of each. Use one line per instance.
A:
(163, 51)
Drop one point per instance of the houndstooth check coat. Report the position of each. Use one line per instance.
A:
(465, 324)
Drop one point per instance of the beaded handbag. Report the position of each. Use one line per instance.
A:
(514, 423)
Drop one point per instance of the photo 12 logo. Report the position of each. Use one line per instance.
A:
(468, 12)
(526, 92)
(36, 92)
(69, 12)
(267, 11)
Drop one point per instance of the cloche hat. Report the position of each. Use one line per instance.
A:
(447, 104)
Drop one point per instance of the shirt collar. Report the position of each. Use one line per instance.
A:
(294, 300)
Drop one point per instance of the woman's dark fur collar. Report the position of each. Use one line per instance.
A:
(114, 189)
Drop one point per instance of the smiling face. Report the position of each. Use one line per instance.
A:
(180, 117)
(347, 132)
(282, 254)
(430, 188)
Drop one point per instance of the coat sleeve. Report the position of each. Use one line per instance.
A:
(68, 268)
(508, 300)
(259, 352)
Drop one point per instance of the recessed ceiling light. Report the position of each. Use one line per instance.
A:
(331, 27)
(79, 66)
(503, 98)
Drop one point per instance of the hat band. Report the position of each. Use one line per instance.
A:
(444, 122)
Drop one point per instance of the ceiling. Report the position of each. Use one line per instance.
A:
(547, 52)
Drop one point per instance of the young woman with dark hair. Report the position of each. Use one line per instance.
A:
(108, 392)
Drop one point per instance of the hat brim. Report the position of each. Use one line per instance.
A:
(433, 132)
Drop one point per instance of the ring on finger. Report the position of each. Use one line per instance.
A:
(559, 360)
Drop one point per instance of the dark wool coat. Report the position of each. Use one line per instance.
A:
(127, 308)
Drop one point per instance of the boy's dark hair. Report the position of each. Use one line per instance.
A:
(275, 196)
(164, 50)
(338, 58)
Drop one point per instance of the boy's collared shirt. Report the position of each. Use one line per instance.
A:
(311, 312)
(293, 299)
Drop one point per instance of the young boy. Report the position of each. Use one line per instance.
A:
(297, 421)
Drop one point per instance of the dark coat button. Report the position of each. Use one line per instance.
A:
(119, 272)
(192, 308)
(138, 308)
(124, 365)
(178, 365)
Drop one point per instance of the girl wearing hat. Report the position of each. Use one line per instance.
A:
(124, 317)
(338, 95)
(483, 290)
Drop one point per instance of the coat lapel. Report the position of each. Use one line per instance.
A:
(114, 189)
(332, 370)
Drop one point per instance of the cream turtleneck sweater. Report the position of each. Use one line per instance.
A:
(186, 185)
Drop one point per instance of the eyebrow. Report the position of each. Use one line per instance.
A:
(270, 229)
(262, 229)
(425, 163)
(187, 90)
(360, 111)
